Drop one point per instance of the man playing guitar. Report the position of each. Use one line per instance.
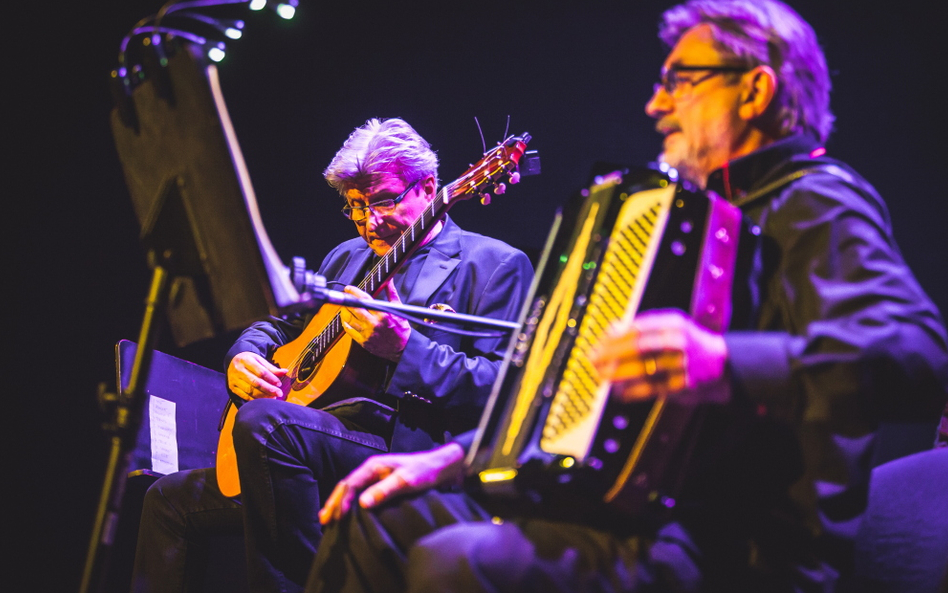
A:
(392, 386)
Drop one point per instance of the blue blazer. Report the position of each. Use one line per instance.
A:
(443, 380)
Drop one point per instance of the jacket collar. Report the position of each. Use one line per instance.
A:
(748, 173)
(443, 256)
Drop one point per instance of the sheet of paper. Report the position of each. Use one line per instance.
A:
(164, 439)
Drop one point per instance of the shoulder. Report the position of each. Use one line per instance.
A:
(340, 256)
(829, 188)
(354, 245)
(346, 249)
(482, 248)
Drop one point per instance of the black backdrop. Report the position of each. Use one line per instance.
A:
(575, 74)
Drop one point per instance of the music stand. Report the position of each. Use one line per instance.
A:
(214, 268)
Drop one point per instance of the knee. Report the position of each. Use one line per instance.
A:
(256, 412)
(161, 505)
(468, 556)
(256, 419)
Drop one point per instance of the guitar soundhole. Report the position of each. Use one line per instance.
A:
(308, 366)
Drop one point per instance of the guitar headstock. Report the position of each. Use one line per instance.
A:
(485, 175)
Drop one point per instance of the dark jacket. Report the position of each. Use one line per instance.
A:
(837, 340)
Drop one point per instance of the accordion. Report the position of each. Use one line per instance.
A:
(551, 435)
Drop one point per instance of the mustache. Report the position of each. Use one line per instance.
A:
(667, 126)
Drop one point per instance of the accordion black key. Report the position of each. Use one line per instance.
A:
(633, 241)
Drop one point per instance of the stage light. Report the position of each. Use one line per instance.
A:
(287, 10)
(231, 28)
(216, 53)
(183, 19)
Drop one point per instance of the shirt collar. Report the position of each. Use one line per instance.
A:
(743, 175)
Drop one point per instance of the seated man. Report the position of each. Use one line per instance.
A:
(838, 338)
(290, 456)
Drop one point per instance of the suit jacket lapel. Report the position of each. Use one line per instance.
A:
(356, 268)
(443, 257)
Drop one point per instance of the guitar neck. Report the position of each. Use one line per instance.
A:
(409, 242)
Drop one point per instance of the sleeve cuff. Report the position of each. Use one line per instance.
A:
(406, 371)
(760, 369)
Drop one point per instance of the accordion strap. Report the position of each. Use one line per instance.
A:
(829, 168)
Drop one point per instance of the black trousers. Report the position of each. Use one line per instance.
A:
(441, 542)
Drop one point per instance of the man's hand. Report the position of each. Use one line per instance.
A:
(382, 477)
(660, 353)
(251, 376)
(381, 334)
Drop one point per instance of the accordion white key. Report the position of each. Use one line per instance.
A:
(633, 241)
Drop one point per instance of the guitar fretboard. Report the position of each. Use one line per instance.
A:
(384, 269)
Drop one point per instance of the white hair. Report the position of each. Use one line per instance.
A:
(389, 145)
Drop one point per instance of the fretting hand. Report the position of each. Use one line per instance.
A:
(380, 333)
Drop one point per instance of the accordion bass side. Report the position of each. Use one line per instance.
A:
(633, 241)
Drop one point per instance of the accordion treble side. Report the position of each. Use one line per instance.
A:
(631, 242)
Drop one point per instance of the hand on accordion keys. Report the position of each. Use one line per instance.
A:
(661, 353)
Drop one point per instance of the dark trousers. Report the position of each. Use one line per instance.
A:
(183, 515)
(289, 459)
(441, 542)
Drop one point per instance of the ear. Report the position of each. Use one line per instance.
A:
(759, 91)
(429, 186)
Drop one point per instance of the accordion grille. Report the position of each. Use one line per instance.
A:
(579, 394)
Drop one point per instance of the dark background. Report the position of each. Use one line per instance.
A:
(575, 75)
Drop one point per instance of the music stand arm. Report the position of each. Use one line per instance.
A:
(402, 310)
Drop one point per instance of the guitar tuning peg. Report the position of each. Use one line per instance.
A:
(499, 188)
(485, 198)
(515, 177)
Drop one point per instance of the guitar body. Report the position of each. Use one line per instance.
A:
(346, 370)
(324, 365)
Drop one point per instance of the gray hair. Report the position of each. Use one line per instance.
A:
(767, 32)
(389, 145)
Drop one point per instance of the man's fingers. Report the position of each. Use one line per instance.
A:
(251, 376)
(337, 504)
(391, 292)
(357, 292)
(377, 493)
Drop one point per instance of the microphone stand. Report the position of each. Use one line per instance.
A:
(315, 289)
(342, 299)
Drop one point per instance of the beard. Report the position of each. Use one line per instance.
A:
(689, 165)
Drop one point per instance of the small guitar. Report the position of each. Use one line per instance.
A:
(324, 364)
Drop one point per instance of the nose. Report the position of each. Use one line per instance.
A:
(371, 220)
(659, 104)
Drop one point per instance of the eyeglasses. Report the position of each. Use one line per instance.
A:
(360, 213)
(672, 81)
